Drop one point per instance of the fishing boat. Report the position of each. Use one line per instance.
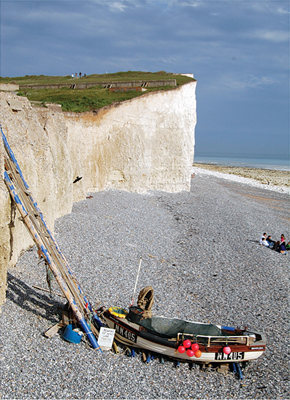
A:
(179, 339)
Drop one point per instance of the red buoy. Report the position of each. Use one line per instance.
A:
(190, 353)
(187, 343)
(227, 350)
(194, 347)
(181, 349)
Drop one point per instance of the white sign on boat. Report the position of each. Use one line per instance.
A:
(106, 338)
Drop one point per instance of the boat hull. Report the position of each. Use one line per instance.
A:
(132, 335)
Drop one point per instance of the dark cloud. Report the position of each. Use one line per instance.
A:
(237, 50)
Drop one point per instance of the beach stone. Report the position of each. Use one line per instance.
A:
(201, 254)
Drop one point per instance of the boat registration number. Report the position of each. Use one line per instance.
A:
(232, 356)
(125, 333)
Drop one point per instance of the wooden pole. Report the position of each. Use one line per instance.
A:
(50, 262)
(40, 225)
(49, 240)
(47, 290)
(137, 277)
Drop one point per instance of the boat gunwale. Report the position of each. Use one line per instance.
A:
(213, 347)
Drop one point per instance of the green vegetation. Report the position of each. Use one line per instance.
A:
(95, 97)
(78, 100)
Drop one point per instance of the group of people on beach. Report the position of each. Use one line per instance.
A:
(279, 245)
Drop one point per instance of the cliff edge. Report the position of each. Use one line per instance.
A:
(142, 144)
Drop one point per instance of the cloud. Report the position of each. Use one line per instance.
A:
(248, 82)
(237, 50)
(117, 6)
(182, 3)
(282, 11)
(277, 36)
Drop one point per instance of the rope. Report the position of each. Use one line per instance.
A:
(49, 278)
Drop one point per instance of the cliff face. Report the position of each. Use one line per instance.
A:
(146, 143)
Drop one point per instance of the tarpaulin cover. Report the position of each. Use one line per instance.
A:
(170, 327)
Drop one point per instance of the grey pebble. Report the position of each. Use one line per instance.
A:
(200, 253)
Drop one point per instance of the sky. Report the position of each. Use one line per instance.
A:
(238, 51)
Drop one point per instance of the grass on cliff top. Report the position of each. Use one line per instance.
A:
(80, 100)
(96, 78)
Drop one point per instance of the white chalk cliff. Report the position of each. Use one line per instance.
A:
(142, 144)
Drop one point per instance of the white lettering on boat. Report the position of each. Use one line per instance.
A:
(125, 333)
(232, 356)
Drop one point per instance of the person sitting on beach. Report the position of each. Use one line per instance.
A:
(270, 241)
(282, 247)
(264, 236)
(282, 238)
(265, 242)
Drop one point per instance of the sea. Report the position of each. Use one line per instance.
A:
(280, 164)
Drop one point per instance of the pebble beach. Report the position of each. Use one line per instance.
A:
(201, 254)
(270, 179)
